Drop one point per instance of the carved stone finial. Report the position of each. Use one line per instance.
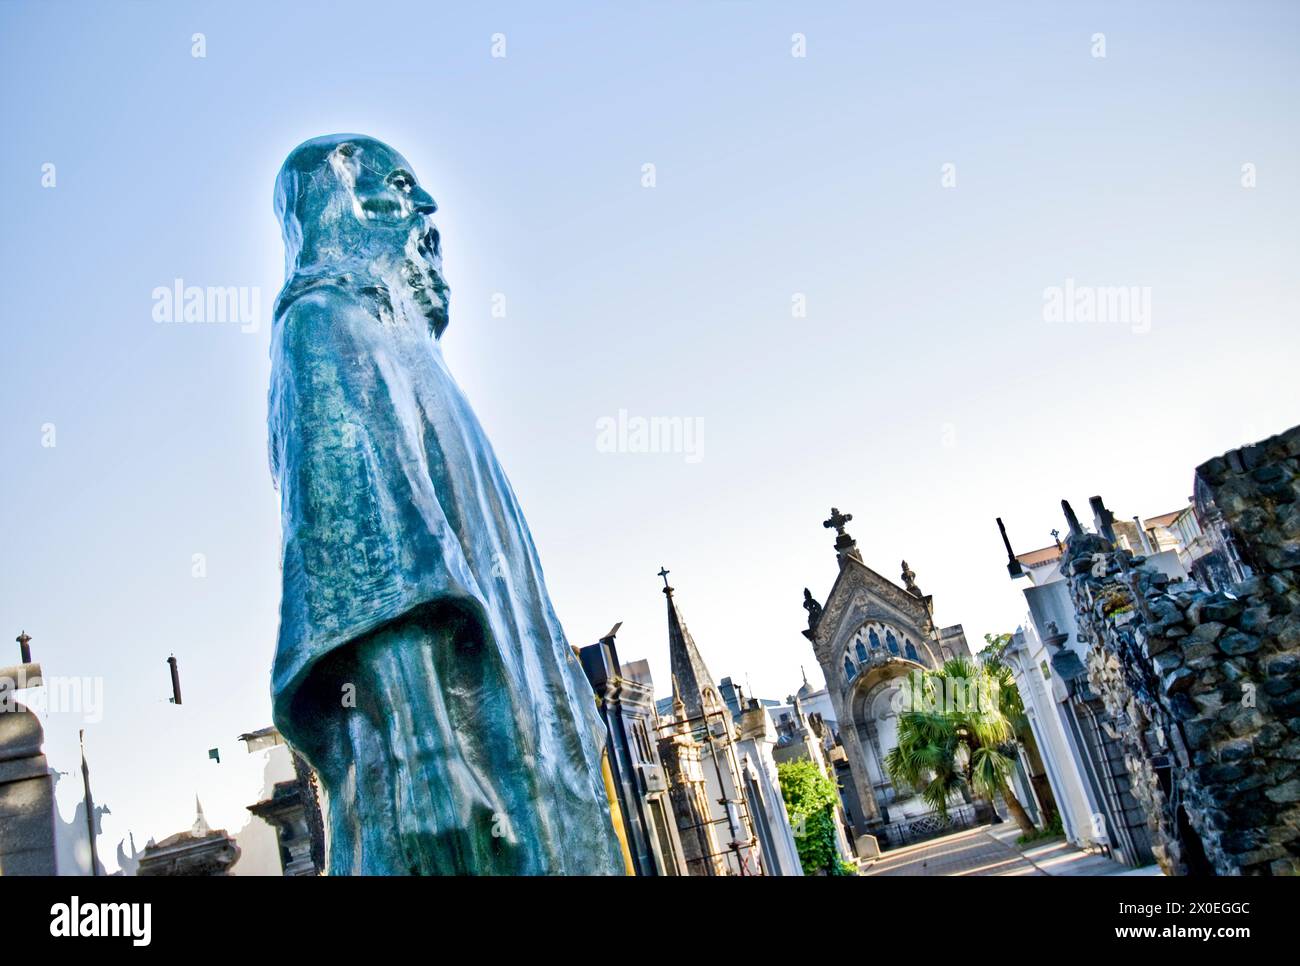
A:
(813, 608)
(679, 706)
(909, 581)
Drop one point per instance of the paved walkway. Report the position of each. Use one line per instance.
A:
(992, 850)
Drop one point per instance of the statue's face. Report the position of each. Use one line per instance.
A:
(385, 195)
(352, 203)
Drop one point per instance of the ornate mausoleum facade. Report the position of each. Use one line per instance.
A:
(868, 637)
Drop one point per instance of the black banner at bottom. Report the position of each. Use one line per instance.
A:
(330, 915)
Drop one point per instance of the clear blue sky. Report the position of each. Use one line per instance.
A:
(923, 392)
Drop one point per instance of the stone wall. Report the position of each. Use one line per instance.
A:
(1204, 688)
(27, 810)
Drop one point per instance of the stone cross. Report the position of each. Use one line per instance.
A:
(663, 572)
(837, 521)
(843, 542)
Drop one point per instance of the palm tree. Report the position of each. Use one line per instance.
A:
(1013, 709)
(947, 745)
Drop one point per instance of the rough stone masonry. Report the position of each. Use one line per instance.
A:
(1204, 688)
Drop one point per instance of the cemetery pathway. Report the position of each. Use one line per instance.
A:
(991, 850)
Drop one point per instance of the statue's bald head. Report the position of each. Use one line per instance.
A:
(343, 199)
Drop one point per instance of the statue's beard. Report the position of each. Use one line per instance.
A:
(421, 276)
(402, 274)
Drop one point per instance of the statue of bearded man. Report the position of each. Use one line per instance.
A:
(420, 667)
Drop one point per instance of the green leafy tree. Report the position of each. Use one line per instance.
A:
(994, 646)
(947, 745)
(810, 801)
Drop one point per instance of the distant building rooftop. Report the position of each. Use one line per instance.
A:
(1164, 520)
(1037, 558)
(262, 738)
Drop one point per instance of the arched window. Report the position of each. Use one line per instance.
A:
(910, 651)
(862, 651)
(875, 640)
(891, 642)
(848, 667)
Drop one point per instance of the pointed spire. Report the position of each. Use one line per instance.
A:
(201, 827)
(91, 830)
(679, 709)
(691, 678)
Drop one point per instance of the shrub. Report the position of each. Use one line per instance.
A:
(810, 801)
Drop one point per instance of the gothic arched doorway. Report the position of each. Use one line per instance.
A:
(877, 699)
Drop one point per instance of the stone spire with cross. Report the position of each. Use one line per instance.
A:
(844, 544)
(692, 682)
